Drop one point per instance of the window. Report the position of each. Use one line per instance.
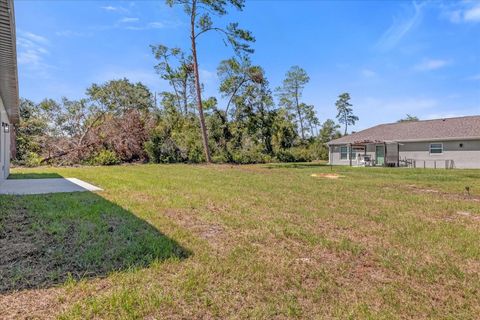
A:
(436, 148)
(343, 153)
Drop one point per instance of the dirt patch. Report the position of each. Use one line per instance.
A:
(468, 215)
(333, 176)
(213, 233)
(448, 195)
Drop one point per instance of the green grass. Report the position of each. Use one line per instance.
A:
(259, 241)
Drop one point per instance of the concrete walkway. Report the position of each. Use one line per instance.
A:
(43, 186)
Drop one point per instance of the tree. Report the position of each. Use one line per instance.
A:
(345, 112)
(200, 12)
(120, 96)
(237, 74)
(247, 88)
(409, 118)
(30, 131)
(179, 74)
(290, 94)
(311, 118)
(284, 133)
(329, 131)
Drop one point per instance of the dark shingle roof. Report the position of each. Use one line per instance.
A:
(439, 129)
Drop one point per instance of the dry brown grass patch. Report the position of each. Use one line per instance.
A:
(333, 176)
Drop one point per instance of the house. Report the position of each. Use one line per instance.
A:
(9, 100)
(440, 143)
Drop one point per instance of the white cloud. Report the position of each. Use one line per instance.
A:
(400, 27)
(431, 64)
(156, 25)
(464, 11)
(34, 37)
(32, 50)
(128, 19)
(70, 34)
(472, 14)
(114, 9)
(129, 24)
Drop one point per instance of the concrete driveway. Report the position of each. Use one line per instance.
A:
(44, 186)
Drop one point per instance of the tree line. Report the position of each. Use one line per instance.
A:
(120, 121)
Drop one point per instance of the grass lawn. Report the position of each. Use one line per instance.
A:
(260, 241)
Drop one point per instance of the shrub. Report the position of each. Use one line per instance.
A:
(162, 149)
(296, 154)
(32, 160)
(105, 158)
(249, 156)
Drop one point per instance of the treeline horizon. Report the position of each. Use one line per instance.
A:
(119, 121)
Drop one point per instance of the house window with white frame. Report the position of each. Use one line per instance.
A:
(436, 148)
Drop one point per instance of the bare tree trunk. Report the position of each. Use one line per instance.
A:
(197, 84)
(299, 114)
(185, 98)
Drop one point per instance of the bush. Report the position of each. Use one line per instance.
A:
(105, 158)
(250, 156)
(297, 154)
(163, 149)
(32, 160)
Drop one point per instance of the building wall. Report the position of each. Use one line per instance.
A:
(464, 157)
(334, 155)
(4, 144)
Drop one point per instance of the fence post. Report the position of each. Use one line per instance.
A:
(424, 164)
(434, 164)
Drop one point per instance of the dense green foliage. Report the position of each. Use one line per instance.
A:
(119, 121)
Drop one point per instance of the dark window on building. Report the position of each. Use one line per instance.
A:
(343, 153)
(436, 148)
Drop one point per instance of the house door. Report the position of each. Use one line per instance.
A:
(380, 155)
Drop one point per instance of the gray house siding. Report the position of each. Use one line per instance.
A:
(464, 153)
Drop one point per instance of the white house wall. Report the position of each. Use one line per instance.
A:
(4, 144)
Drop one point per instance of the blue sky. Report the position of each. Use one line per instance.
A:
(393, 57)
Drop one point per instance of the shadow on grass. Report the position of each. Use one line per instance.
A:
(47, 239)
(34, 175)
